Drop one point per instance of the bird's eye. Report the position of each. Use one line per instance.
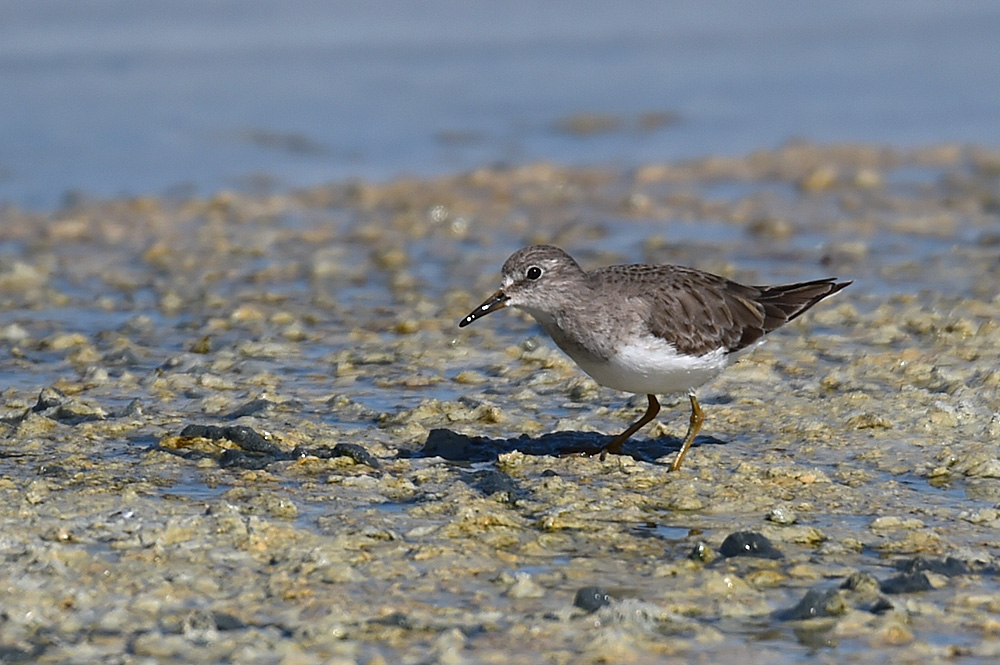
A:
(533, 272)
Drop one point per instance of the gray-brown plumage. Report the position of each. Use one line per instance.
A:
(728, 314)
(646, 328)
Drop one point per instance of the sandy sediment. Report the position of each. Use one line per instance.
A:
(247, 428)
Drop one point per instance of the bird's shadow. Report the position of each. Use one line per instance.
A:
(457, 447)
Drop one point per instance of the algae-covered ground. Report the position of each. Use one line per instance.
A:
(247, 429)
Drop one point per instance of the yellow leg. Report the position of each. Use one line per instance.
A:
(697, 418)
(615, 446)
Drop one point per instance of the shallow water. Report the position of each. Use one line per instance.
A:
(186, 98)
(857, 440)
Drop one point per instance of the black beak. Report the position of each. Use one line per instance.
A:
(496, 301)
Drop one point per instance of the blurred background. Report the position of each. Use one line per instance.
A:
(185, 97)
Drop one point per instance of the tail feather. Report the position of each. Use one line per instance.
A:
(784, 303)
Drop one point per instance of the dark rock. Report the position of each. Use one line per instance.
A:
(356, 453)
(948, 567)
(816, 604)
(591, 598)
(256, 452)
(232, 458)
(453, 446)
(249, 440)
(352, 450)
(243, 436)
(202, 431)
(457, 447)
(53, 471)
(907, 583)
(749, 543)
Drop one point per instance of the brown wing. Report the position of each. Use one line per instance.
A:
(699, 312)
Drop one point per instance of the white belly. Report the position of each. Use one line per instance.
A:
(653, 366)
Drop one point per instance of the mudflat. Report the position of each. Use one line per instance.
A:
(248, 429)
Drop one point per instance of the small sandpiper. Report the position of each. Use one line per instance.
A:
(646, 329)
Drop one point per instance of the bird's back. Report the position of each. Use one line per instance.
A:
(699, 312)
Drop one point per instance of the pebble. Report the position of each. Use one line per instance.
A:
(906, 583)
(816, 604)
(591, 598)
(749, 543)
(782, 515)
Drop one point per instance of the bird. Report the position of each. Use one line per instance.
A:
(647, 329)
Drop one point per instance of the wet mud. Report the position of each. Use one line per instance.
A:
(248, 429)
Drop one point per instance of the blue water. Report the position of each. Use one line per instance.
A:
(106, 97)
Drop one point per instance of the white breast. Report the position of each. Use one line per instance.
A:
(650, 365)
